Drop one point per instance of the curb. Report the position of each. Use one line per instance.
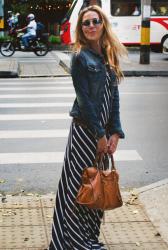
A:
(12, 69)
(64, 61)
(152, 186)
(135, 73)
(155, 202)
(9, 74)
(145, 73)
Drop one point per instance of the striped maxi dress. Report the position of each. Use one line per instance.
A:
(76, 227)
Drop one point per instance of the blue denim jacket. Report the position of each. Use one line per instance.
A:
(89, 75)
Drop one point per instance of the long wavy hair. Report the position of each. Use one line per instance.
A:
(109, 42)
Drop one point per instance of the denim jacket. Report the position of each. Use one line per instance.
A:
(89, 76)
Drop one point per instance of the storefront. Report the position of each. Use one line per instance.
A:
(49, 12)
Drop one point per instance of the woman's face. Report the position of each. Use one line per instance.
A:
(92, 26)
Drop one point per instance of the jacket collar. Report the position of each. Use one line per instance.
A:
(101, 57)
(93, 52)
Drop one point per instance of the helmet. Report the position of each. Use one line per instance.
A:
(30, 17)
(10, 13)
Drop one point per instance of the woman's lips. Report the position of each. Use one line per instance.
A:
(92, 32)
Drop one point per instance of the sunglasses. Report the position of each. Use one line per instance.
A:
(94, 21)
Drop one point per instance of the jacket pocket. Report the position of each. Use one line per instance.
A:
(93, 68)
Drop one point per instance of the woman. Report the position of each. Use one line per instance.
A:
(95, 128)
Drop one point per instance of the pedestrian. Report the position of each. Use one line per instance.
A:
(95, 74)
(12, 20)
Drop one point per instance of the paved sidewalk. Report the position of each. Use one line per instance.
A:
(49, 69)
(25, 221)
(38, 67)
(61, 67)
(130, 65)
(9, 68)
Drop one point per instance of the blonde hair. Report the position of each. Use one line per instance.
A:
(109, 42)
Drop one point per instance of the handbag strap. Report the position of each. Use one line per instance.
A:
(97, 159)
(112, 163)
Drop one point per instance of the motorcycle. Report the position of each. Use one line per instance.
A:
(38, 45)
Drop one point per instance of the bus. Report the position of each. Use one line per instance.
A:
(125, 18)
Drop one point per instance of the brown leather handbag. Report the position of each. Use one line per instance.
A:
(100, 188)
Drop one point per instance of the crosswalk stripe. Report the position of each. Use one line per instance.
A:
(18, 96)
(36, 79)
(18, 134)
(37, 88)
(144, 93)
(40, 84)
(32, 105)
(23, 117)
(69, 95)
(57, 157)
(36, 82)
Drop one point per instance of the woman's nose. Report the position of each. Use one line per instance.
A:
(91, 24)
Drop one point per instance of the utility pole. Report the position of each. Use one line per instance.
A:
(145, 32)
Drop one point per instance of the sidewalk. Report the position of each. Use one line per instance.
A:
(61, 67)
(25, 221)
(9, 68)
(130, 65)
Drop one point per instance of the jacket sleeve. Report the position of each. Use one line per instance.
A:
(115, 124)
(86, 105)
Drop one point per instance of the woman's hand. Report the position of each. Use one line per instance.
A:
(102, 145)
(112, 143)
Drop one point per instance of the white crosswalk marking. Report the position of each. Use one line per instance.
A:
(6, 134)
(16, 88)
(37, 105)
(57, 157)
(34, 126)
(34, 117)
(18, 96)
(35, 82)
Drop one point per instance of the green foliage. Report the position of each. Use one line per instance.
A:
(54, 39)
(4, 38)
(23, 9)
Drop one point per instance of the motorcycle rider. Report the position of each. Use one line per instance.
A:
(30, 30)
(12, 20)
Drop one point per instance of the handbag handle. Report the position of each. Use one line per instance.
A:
(97, 159)
(112, 163)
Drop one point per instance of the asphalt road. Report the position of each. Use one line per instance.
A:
(34, 126)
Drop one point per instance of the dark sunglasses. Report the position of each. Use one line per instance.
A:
(94, 21)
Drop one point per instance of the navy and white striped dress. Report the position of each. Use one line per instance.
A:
(76, 227)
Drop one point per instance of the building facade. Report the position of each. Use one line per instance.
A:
(49, 12)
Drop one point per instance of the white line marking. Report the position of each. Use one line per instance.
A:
(18, 134)
(37, 96)
(35, 83)
(39, 104)
(24, 117)
(62, 78)
(16, 88)
(144, 93)
(127, 155)
(69, 95)
(56, 157)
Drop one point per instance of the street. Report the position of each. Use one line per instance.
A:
(34, 125)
